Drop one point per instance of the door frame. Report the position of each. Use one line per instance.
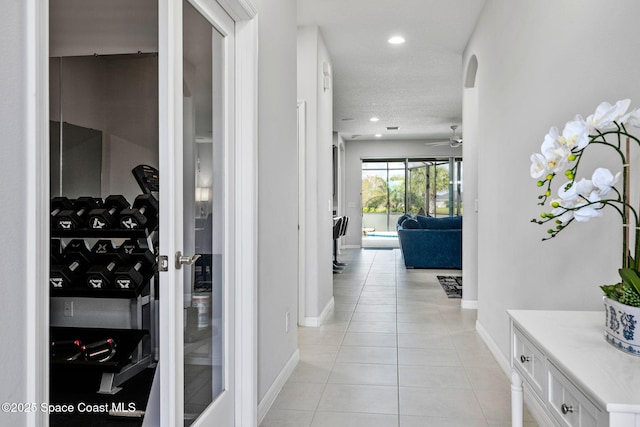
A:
(302, 182)
(37, 209)
(244, 13)
(244, 200)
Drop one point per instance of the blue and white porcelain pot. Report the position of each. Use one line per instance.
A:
(620, 326)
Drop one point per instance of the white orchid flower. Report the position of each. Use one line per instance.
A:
(555, 154)
(575, 134)
(632, 118)
(603, 180)
(606, 114)
(538, 165)
(578, 189)
(588, 211)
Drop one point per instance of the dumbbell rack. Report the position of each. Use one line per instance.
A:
(128, 315)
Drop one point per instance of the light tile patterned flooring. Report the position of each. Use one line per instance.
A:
(394, 352)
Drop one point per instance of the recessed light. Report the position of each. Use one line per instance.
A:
(378, 135)
(396, 40)
(374, 119)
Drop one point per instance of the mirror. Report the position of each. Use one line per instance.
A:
(108, 108)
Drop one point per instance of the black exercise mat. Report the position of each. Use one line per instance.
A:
(452, 285)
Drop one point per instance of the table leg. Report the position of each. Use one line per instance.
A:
(517, 403)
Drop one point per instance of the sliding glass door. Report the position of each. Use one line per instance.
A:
(383, 195)
(434, 187)
(391, 187)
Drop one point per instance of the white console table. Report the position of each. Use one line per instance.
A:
(571, 376)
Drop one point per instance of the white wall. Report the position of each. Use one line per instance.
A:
(540, 63)
(312, 53)
(470, 119)
(355, 151)
(277, 186)
(15, 251)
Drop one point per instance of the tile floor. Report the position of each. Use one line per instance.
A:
(395, 351)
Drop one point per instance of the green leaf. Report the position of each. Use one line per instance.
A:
(630, 277)
(611, 291)
(632, 262)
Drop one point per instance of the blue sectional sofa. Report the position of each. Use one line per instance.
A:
(428, 242)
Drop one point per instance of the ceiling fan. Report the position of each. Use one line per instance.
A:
(454, 141)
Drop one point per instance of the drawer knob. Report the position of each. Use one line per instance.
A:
(524, 358)
(566, 408)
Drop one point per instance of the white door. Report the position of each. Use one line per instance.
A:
(197, 327)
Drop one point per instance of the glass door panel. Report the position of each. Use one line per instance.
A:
(417, 190)
(458, 178)
(206, 288)
(375, 193)
(396, 184)
(383, 195)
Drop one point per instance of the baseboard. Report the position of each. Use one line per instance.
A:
(494, 349)
(314, 322)
(531, 402)
(271, 394)
(469, 304)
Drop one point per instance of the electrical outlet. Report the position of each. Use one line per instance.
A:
(68, 309)
(287, 318)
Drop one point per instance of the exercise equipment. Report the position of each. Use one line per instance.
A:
(106, 217)
(57, 205)
(77, 257)
(66, 350)
(147, 178)
(99, 351)
(107, 259)
(100, 274)
(55, 252)
(75, 218)
(143, 215)
(133, 276)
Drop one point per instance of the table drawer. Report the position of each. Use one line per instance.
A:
(568, 406)
(530, 362)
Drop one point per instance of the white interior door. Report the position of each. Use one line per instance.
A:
(197, 306)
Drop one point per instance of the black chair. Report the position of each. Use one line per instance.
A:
(340, 226)
(343, 232)
(337, 229)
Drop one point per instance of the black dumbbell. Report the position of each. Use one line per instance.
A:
(77, 257)
(57, 205)
(143, 215)
(106, 216)
(132, 277)
(66, 350)
(107, 259)
(56, 257)
(76, 217)
(103, 252)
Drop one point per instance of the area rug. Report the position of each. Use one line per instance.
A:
(452, 285)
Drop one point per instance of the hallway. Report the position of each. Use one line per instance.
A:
(394, 352)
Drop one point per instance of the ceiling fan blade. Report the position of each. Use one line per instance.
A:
(449, 142)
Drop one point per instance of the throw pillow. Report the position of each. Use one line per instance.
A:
(410, 223)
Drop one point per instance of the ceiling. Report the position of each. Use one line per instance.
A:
(417, 85)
